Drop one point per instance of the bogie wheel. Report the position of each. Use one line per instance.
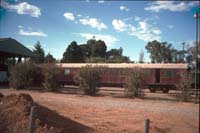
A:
(165, 90)
(153, 90)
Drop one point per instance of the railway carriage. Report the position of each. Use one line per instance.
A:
(155, 76)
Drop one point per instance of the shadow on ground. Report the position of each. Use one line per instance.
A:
(52, 118)
(15, 117)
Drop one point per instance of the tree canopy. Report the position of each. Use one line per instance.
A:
(39, 53)
(113, 53)
(116, 56)
(49, 58)
(73, 53)
(163, 52)
(99, 49)
(94, 51)
(160, 52)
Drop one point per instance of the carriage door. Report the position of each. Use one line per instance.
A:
(157, 75)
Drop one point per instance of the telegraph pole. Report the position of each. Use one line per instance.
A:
(183, 52)
(196, 56)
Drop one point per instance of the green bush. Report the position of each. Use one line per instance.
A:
(133, 84)
(50, 73)
(88, 79)
(22, 75)
(184, 87)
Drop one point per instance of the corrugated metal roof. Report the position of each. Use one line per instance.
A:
(124, 65)
(12, 47)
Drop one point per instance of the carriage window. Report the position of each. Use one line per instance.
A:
(102, 70)
(3, 76)
(123, 72)
(66, 72)
(146, 73)
(169, 74)
(112, 72)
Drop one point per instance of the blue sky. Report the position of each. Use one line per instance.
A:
(126, 24)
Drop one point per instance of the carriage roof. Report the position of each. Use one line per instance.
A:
(125, 65)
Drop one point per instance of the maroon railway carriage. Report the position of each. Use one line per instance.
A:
(155, 76)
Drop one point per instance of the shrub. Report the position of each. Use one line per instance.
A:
(88, 79)
(50, 73)
(133, 84)
(22, 75)
(184, 87)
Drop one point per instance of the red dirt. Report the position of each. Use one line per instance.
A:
(113, 114)
(15, 115)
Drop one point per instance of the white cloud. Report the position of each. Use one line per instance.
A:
(171, 6)
(79, 15)
(156, 31)
(131, 28)
(137, 18)
(146, 32)
(129, 18)
(93, 22)
(23, 8)
(69, 16)
(124, 8)
(119, 25)
(101, 1)
(31, 33)
(108, 39)
(20, 26)
(170, 26)
(143, 25)
(142, 31)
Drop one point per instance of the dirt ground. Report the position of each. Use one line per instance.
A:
(111, 112)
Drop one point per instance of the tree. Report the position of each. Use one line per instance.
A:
(91, 41)
(114, 53)
(95, 60)
(99, 49)
(49, 58)
(160, 52)
(89, 78)
(86, 50)
(184, 86)
(174, 56)
(23, 75)
(50, 74)
(118, 59)
(116, 56)
(191, 53)
(73, 53)
(141, 57)
(95, 48)
(134, 83)
(39, 53)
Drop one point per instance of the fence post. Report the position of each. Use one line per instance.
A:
(146, 126)
(32, 120)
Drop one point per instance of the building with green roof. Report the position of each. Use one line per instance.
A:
(10, 50)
